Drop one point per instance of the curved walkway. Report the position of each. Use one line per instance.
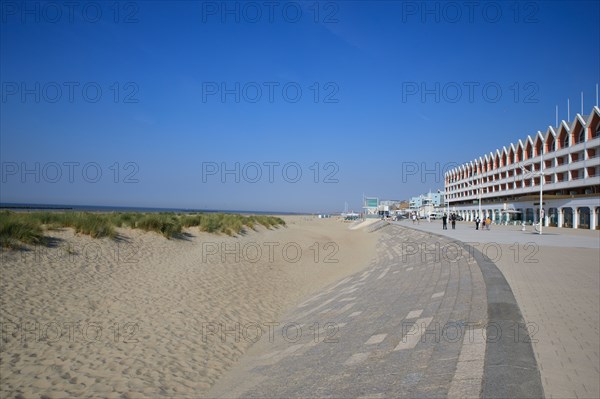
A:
(413, 324)
(555, 278)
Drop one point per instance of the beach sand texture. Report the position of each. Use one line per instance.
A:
(125, 318)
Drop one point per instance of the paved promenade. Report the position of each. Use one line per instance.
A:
(556, 281)
(552, 236)
(413, 324)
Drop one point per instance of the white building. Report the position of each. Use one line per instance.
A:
(426, 204)
(508, 180)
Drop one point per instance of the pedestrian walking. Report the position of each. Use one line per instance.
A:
(445, 222)
(488, 222)
(453, 220)
(477, 220)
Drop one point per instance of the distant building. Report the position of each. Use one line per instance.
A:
(508, 179)
(403, 205)
(426, 204)
(371, 206)
(390, 203)
(374, 207)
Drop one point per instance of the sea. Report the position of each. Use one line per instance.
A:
(99, 208)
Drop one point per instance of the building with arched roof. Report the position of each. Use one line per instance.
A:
(508, 180)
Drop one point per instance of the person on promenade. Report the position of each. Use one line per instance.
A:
(488, 222)
(477, 223)
(445, 222)
(453, 219)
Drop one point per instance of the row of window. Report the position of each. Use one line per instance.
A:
(531, 150)
(548, 166)
(587, 154)
(571, 175)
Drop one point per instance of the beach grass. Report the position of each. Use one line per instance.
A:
(16, 231)
(169, 225)
(93, 224)
(18, 228)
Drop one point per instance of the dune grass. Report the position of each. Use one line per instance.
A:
(15, 231)
(18, 228)
(166, 224)
(93, 224)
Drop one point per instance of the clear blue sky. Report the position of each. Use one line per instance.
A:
(162, 115)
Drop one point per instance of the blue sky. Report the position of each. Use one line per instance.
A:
(145, 103)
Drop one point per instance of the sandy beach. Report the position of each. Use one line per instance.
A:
(127, 317)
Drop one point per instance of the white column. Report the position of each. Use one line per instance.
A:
(559, 222)
(575, 218)
(593, 221)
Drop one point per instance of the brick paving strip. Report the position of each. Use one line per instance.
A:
(409, 325)
(511, 369)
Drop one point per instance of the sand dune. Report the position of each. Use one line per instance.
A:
(133, 317)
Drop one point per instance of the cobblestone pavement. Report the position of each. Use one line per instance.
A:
(412, 324)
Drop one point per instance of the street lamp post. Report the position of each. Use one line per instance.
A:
(479, 196)
(541, 175)
(447, 196)
(541, 186)
(478, 193)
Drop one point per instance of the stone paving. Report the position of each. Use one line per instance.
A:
(413, 324)
(557, 286)
(553, 236)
